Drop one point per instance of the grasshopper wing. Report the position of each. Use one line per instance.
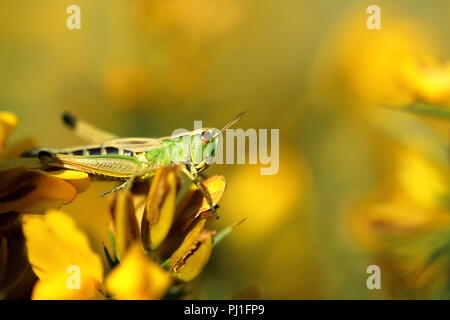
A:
(136, 145)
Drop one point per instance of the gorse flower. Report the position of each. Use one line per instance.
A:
(171, 243)
(171, 232)
(405, 223)
(25, 189)
(138, 277)
(428, 80)
(405, 69)
(403, 218)
(55, 247)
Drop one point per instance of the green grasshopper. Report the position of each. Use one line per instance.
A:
(130, 158)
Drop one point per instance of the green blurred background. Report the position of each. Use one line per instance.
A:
(310, 69)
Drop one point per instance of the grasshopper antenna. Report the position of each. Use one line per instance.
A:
(231, 123)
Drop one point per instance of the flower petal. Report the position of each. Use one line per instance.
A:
(160, 207)
(79, 180)
(15, 271)
(190, 258)
(56, 288)
(8, 121)
(55, 246)
(125, 223)
(138, 278)
(32, 192)
(194, 205)
(194, 201)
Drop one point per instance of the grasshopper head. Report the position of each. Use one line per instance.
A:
(205, 146)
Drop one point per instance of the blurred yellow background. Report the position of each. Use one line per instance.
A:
(359, 183)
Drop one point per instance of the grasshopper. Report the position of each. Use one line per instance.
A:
(134, 158)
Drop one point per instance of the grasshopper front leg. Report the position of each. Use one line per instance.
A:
(124, 186)
(193, 175)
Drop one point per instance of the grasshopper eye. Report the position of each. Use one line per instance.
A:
(206, 136)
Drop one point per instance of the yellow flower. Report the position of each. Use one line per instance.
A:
(24, 189)
(189, 259)
(152, 282)
(378, 223)
(421, 180)
(67, 267)
(79, 180)
(59, 252)
(393, 66)
(178, 230)
(428, 80)
(160, 208)
(16, 276)
(8, 121)
(404, 222)
(31, 191)
(409, 203)
(402, 237)
(56, 248)
(124, 220)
